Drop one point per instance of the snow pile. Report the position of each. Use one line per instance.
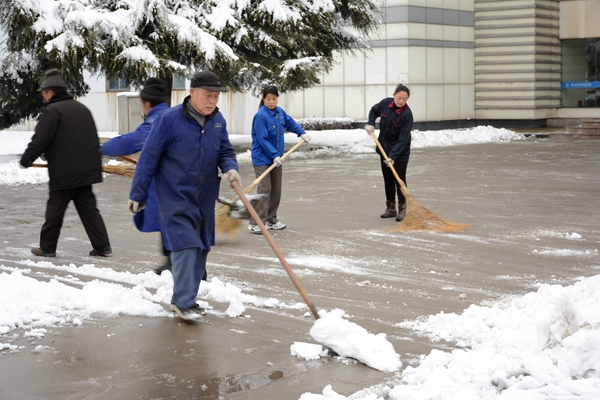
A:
(26, 302)
(546, 343)
(308, 351)
(12, 173)
(452, 137)
(351, 340)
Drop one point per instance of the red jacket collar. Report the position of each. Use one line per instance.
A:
(398, 110)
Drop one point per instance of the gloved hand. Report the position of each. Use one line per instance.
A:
(134, 207)
(306, 137)
(389, 162)
(233, 175)
(43, 157)
(278, 160)
(370, 128)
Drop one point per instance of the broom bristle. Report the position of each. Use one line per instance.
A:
(419, 218)
(224, 223)
(125, 170)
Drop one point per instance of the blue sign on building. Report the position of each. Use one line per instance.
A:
(581, 85)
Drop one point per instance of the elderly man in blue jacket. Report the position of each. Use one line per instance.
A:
(186, 147)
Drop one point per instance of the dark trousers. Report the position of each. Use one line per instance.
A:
(391, 184)
(271, 185)
(85, 203)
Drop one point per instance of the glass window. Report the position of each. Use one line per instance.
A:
(117, 84)
(581, 72)
(178, 82)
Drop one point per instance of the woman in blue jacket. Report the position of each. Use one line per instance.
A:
(395, 125)
(268, 126)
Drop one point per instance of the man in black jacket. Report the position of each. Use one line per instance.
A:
(66, 134)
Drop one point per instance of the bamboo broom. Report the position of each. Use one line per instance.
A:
(124, 170)
(418, 217)
(223, 222)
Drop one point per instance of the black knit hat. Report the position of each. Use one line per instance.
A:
(154, 91)
(52, 79)
(209, 81)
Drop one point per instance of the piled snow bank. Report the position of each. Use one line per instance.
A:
(11, 173)
(26, 302)
(351, 340)
(453, 137)
(544, 345)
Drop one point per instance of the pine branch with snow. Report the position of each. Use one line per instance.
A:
(248, 43)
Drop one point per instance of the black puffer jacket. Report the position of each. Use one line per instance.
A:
(66, 134)
(395, 126)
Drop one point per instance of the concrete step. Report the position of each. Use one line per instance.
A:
(583, 130)
(591, 124)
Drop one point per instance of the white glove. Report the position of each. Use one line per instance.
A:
(389, 162)
(233, 175)
(278, 160)
(370, 128)
(306, 137)
(134, 207)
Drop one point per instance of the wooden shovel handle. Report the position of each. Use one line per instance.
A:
(272, 167)
(385, 157)
(273, 245)
(128, 159)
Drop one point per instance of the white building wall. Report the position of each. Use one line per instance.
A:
(427, 45)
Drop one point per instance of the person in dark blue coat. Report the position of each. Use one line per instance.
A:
(268, 126)
(187, 146)
(395, 125)
(153, 98)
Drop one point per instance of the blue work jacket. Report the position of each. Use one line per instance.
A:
(134, 141)
(267, 134)
(395, 126)
(183, 159)
(146, 220)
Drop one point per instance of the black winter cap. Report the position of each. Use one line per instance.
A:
(209, 81)
(154, 90)
(52, 79)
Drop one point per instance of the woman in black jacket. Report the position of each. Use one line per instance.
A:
(395, 125)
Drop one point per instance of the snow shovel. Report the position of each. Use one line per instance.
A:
(227, 225)
(273, 245)
(418, 217)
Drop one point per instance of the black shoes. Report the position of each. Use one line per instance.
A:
(42, 253)
(103, 252)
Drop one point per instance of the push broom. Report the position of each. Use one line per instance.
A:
(227, 225)
(418, 217)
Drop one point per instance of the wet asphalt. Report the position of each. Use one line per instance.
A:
(521, 198)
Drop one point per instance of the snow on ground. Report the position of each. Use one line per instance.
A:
(543, 345)
(332, 142)
(351, 340)
(42, 299)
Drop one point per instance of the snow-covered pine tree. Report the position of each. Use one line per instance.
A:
(248, 43)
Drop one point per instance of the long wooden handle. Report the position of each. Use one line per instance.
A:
(385, 156)
(273, 245)
(128, 159)
(272, 167)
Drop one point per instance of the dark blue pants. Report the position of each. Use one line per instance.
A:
(188, 266)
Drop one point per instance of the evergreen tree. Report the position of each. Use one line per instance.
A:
(248, 43)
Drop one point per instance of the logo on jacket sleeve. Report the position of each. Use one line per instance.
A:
(218, 125)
